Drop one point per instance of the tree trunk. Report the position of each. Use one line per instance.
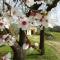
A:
(22, 37)
(41, 45)
(18, 53)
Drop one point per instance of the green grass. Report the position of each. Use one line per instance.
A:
(50, 52)
(49, 55)
(34, 38)
(4, 50)
(56, 35)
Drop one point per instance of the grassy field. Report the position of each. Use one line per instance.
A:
(49, 55)
(4, 50)
(56, 36)
(52, 49)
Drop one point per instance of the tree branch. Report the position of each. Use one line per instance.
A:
(52, 5)
(8, 6)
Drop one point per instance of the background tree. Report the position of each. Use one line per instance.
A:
(35, 8)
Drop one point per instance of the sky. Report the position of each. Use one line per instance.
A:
(54, 15)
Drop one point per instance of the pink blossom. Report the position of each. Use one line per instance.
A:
(24, 23)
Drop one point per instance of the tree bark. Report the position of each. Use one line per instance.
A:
(22, 37)
(54, 4)
(41, 45)
(18, 53)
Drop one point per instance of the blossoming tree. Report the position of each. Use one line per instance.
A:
(37, 10)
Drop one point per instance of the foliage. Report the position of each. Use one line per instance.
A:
(49, 36)
(54, 29)
(56, 36)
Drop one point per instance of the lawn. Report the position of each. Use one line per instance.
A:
(50, 51)
(56, 36)
(4, 50)
(49, 55)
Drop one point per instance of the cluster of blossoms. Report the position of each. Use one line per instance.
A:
(7, 39)
(7, 56)
(4, 23)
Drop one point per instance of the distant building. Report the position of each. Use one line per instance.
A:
(32, 30)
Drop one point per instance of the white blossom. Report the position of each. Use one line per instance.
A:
(2, 41)
(6, 23)
(30, 2)
(24, 23)
(25, 46)
(7, 56)
(31, 49)
(11, 40)
(36, 44)
(1, 24)
(7, 40)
